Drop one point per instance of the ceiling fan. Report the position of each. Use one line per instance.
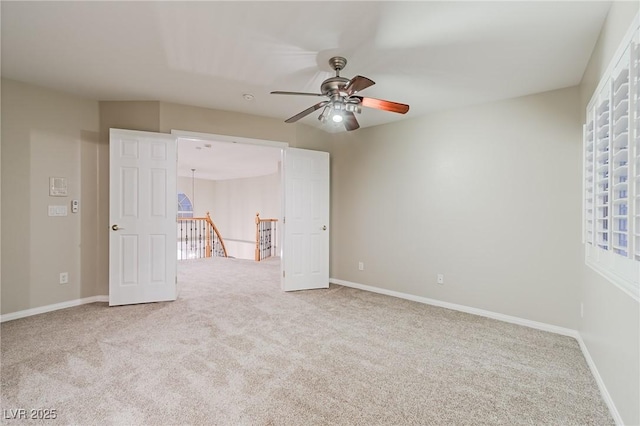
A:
(343, 102)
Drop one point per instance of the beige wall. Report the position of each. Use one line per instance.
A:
(46, 133)
(130, 115)
(611, 324)
(488, 196)
(195, 119)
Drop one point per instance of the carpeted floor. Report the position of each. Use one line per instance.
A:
(234, 349)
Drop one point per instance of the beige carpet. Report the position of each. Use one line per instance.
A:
(234, 349)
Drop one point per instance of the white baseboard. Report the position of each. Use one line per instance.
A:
(506, 318)
(54, 307)
(481, 312)
(603, 389)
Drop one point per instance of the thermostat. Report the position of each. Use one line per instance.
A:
(57, 187)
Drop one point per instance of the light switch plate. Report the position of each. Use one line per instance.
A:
(55, 211)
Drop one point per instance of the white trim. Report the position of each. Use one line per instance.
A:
(475, 311)
(584, 197)
(623, 285)
(184, 134)
(506, 318)
(283, 146)
(603, 389)
(49, 308)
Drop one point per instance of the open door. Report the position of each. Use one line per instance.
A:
(305, 263)
(142, 214)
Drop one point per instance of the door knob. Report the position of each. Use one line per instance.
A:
(115, 227)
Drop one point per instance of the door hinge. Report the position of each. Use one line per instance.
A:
(284, 219)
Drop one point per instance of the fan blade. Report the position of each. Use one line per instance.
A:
(279, 92)
(350, 122)
(306, 112)
(383, 105)
(358, 83)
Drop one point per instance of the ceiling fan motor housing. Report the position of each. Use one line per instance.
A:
(333, 86)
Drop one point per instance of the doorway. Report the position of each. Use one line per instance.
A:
(231, 183)
(304, 206)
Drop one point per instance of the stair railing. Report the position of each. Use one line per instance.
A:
(199, 237)
(265, 238)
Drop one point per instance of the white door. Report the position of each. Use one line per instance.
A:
(142, 213)
(305, 262)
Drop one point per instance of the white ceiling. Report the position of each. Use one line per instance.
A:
(214, 160)
(431, 55)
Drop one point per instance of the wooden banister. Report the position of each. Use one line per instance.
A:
(203, 235)
(215, 229)
(265, 235)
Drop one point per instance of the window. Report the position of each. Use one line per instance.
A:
(611, 196)
(185, 209)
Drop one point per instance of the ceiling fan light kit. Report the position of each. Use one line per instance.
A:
(343, 103)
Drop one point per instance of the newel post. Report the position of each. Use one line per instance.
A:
(257, 257)
(207, 250)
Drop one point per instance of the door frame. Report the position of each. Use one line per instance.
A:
(212, 137)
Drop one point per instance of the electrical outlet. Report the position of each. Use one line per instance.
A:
(360, 266)
(64, 277)
(440, 278)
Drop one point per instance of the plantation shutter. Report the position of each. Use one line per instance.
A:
(634, 134)
(611, 173)
(602, 154)
(588, 178)
(620, 155)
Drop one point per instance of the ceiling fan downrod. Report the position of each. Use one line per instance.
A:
(338, 63)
